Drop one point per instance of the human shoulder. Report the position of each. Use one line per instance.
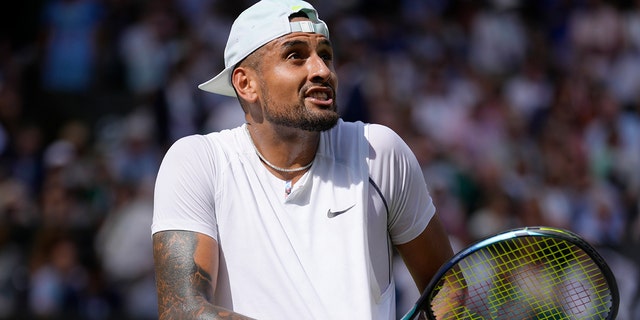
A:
(202, 142)
(388, 150)
(373, 129)
(383, 138)
(211, 148)
(188, 142)
(379, 137)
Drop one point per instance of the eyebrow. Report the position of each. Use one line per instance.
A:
(293, 43)
(325, 42)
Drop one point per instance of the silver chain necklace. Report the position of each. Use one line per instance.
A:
(272, 166)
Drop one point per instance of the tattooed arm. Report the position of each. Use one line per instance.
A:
(186, 266)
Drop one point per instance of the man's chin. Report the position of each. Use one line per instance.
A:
(316, 120)
(320, 125)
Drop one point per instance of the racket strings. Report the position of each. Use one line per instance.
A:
(528, 278)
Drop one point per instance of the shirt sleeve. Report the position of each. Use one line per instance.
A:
(395, 168)
(184, 188)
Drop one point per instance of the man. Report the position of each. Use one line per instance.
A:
(295, 214)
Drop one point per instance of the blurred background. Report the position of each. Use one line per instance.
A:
(520, 113)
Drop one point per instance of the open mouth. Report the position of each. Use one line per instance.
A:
(320, 95)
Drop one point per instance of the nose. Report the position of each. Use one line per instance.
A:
(319, 70)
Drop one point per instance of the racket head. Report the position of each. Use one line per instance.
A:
(524, 273)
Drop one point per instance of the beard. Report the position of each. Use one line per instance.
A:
(300, 117)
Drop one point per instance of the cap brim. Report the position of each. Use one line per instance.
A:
(220, 84)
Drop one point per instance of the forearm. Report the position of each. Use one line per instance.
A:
(185, 265)
(196, 308)
(425, 254)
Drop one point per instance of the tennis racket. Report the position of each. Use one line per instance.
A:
(525, 273)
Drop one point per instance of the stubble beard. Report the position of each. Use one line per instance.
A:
(300, 117)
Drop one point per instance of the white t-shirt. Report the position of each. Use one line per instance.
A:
(288, 257)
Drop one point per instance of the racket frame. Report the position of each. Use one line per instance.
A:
(535, 231)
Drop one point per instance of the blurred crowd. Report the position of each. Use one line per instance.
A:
(520, 113)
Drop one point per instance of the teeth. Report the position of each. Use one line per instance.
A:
(320, 95)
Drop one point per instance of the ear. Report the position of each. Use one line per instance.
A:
(244, 83)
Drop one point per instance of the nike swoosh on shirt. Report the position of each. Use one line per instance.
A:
(333, 214)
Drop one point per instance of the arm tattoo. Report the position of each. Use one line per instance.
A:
(185, 289)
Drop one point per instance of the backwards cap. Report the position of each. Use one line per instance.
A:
(256, 26)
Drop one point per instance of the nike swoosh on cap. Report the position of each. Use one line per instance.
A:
(333, 214)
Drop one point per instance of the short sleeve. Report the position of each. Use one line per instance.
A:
(184, 188)
(394, 167)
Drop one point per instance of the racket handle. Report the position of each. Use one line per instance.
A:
(414, 314)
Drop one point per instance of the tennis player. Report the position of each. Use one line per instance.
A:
(295, 214)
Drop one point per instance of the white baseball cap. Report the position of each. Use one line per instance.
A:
(256, 26)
